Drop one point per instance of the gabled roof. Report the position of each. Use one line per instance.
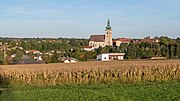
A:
(97, 38)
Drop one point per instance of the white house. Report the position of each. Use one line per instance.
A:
(33, 51)
(110, 56)
(38, 58)
(88, 48)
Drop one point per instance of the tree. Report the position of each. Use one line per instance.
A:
(164, 46)
(80, 56)
(156, 49)
(123, 47)
(99, 50)
(19, 55)
(2, 60)
(54, 58)
(131, 51)
(164, 41)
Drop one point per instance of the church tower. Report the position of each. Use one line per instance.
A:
(108, 34)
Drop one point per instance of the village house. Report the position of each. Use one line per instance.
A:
(68, 60)
(103, 40)
(110, 56)
(119, 41)
(38, 58)
(33, 51)
(88, 48)
(28, 60)
(147, 39)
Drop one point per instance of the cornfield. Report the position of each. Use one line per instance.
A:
(92, 72)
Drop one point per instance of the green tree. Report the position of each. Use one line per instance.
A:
(55, 58)
(131, 51)
(2, 60)
(19, 55)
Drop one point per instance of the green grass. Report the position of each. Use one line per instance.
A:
(152, 91)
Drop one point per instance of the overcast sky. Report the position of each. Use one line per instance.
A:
(81, 18)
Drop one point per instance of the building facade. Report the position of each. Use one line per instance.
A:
(110, 56)
(88, 48)
(102, 40)
(119, 41)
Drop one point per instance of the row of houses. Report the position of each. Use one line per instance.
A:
(95, 41)
(119, 41)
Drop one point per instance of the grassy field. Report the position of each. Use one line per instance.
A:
(152, 91)
(145, 80)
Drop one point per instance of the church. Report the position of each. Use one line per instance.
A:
(102, 40)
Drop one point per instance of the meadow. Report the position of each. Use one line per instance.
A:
(151, 91)
(103, 81)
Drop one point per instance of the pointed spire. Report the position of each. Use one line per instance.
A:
(108, 24)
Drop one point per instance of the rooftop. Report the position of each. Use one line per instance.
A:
(97, 38)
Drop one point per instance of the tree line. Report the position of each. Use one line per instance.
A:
(73, 48)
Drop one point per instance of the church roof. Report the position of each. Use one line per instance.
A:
(108, 25)
(97, 38)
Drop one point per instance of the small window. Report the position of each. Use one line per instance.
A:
(115, 58)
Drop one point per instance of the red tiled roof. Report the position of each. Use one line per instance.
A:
(146, 40)
(124, 40)
(97, 38)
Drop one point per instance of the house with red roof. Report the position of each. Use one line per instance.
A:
(119, 41)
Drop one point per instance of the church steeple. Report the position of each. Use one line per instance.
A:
(108, 34)
(108, 25)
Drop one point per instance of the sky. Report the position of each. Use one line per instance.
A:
(81, 18)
